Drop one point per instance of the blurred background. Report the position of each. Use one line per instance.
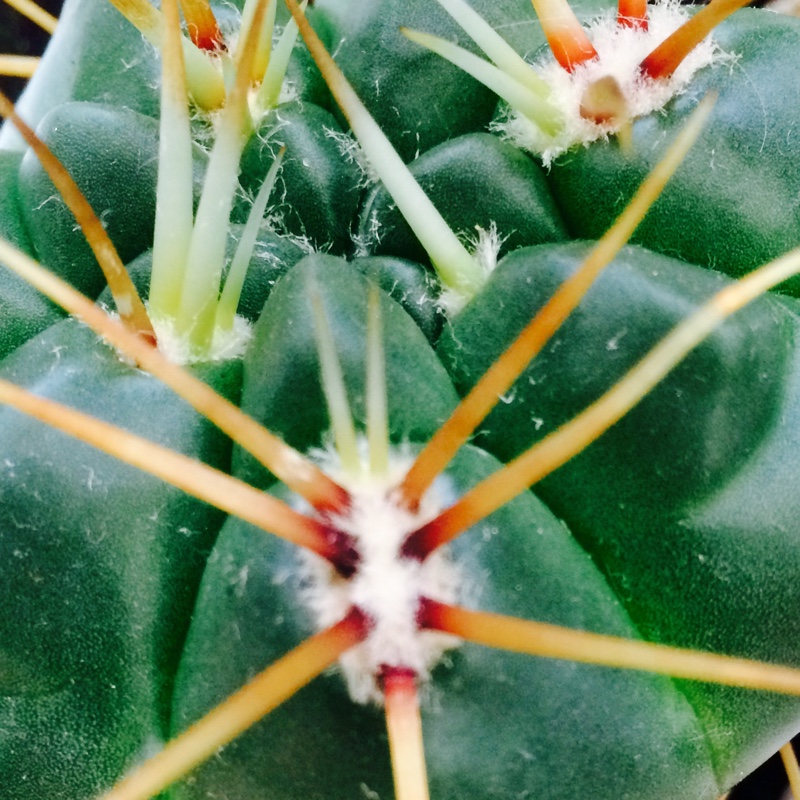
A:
(20, 36)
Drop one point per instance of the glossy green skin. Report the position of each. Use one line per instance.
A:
(675, 433)
(24, 311)
(411, 285)
(117, 175)
(697, 536)
(106, 561)
(679, 525)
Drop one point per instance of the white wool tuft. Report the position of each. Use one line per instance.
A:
(226, 345)
(386, 587)
(485, 247)
(620, 50)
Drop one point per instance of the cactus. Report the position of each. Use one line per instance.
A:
(269, 533)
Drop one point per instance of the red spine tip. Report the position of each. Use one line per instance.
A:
(632, 14)
(211, 42)
(668, 56)
(360, 621)
(571, 51)
(201, 25)
(335, 501)
(417, 545)
(340, 549)
(429, 614)
(565, 34)
(396, 676)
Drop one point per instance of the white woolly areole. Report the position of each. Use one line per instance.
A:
(620, 50)
(225, 346)
(386, 587)
(485, 247)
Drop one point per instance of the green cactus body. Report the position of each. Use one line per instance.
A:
(132, 609)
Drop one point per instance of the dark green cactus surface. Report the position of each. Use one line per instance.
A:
(130, 610)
